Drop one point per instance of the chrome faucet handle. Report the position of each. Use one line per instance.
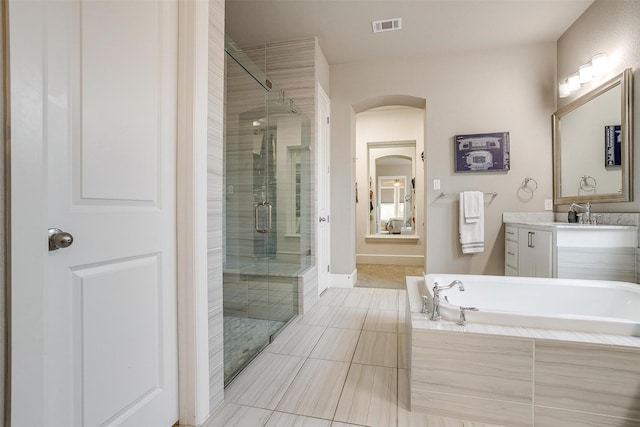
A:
(424, 309)
(463, 318)
(595, 218)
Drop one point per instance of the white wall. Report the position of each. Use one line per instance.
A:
(611, 27)
(386, 125)
(480, 91)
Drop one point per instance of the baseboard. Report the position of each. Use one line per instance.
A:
(390, 259)
(343, 280)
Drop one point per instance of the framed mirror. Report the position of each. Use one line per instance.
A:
(592, 149)
(392, 209)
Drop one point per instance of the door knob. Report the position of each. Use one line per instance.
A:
(59, 239)
(322, 219)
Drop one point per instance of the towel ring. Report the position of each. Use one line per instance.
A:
(525, 184)
(585, 185)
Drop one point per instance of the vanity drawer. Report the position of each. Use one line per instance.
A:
(511, 254)
(511, 233)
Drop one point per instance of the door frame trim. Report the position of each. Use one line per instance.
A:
(191, 189)
(6, 225)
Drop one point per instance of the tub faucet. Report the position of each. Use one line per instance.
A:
(435, 312)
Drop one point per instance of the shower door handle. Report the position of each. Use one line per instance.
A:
(257, 217)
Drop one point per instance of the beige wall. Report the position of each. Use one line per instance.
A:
(611, 27)
(386, 125)
(480, 91)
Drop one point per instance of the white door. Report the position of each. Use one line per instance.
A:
(323, 191)
(93, 99)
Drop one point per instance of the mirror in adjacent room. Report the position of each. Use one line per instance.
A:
(392, 207)
(592, 145)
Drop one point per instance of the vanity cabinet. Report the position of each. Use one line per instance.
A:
(571, 251)
(534, 253)
(528, 252)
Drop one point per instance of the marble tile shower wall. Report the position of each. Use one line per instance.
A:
(214, 200)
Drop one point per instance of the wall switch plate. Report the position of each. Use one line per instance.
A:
(548, 204)
(436, 184)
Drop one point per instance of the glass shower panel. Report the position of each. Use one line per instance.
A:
(289, 192)
(246, 332)
(267, 210)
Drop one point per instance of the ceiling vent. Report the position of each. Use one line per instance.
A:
(387, 25)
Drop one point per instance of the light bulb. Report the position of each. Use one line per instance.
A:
(574, 82)
(599, 63)
(586, 72)
(563, 89)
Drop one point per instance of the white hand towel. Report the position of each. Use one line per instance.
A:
(473, 203)
(471, 233)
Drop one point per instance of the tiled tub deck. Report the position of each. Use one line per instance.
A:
(516, 376)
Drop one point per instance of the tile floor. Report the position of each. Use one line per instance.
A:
(385, 276)
(342, 364)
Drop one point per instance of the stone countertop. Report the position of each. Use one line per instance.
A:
(569, 226)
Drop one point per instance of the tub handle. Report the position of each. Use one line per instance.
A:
(463, 318)
(425, 302)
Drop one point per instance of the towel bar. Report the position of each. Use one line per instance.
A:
(443, 194)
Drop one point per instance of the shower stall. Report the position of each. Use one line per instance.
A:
(267, 230)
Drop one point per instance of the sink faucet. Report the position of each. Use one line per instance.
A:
(435, 312)
(587, 212)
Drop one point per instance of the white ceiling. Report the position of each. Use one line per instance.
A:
(345, 35)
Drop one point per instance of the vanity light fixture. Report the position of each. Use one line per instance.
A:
(563, 89)
(599, 63)
(587, 72)
(574, 82)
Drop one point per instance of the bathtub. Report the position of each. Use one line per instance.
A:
(575, 305)
(572, 361)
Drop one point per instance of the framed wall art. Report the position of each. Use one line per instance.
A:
(482, 152)
(612, 146)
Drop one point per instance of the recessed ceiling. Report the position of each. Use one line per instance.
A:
(345, 33)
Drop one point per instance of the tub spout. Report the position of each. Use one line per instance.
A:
(435, 312)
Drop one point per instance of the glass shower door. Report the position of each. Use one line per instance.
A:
(246, 219)
(267, 210)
